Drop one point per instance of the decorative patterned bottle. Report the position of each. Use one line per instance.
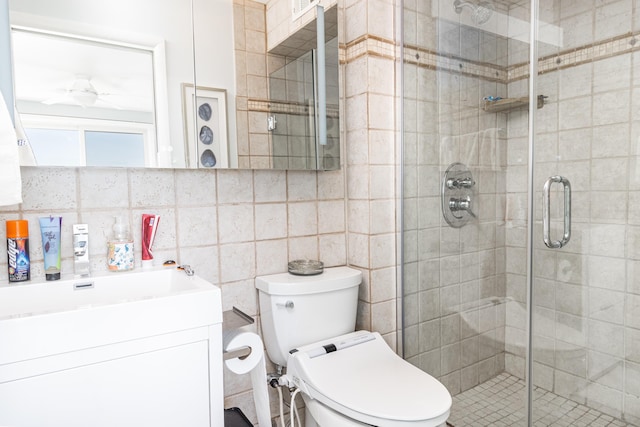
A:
(120, 256)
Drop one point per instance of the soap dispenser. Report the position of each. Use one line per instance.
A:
(120, 256)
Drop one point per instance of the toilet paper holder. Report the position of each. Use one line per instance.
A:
(231, 320)
(244, 355)
(240, 353)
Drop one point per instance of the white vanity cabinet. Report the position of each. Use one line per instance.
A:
(154, 359)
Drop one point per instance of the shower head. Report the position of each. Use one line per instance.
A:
(480, 13)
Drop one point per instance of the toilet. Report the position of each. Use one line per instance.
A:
(347, 378)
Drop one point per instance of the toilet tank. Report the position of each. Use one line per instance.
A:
(299, 310)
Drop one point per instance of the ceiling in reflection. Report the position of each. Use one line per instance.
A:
(60, 72)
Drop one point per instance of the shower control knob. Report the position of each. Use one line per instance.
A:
(462, 204)
(288, 304)
(453, 183)
(456, 192)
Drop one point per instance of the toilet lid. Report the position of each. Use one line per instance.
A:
(369, 382)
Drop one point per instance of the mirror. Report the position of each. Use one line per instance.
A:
(83, 102)
(300, 139)
(140, 84)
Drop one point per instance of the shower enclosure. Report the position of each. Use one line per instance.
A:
(521, 271)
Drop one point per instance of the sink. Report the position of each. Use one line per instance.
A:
(75, 313)
(161, 320)
(40, 298)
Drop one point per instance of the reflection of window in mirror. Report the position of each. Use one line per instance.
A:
(83, 147)
(105, 148)
(68, 85)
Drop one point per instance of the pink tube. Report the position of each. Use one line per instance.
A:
(149, 227)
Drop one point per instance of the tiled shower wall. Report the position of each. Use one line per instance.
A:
(587, 294)
(454, 282)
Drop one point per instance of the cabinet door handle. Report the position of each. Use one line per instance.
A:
(546, 212)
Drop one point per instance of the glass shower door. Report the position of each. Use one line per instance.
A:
(504, 304)
(585, 274)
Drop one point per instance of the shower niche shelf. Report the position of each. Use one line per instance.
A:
(507, 104)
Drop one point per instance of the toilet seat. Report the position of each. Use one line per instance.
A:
(369, 383)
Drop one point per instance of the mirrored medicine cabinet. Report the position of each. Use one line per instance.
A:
(154, 84)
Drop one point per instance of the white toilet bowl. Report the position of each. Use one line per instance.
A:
(365, 384)
(318, 415)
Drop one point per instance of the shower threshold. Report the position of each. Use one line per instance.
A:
(500, 401)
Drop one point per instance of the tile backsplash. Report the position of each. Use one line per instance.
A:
(228, 225)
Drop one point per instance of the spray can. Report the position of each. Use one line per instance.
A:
(18, 250)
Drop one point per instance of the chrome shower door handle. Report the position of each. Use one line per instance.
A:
(546, 212)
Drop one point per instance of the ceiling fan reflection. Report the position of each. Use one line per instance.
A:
(83, 93)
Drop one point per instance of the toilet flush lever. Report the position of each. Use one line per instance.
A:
(288, 304)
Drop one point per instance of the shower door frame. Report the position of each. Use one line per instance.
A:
(534, 7)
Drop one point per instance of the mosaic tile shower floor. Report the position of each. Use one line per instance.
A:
(500, 402)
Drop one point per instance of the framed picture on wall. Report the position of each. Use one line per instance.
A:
(205, 126)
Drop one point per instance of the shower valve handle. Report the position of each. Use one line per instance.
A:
(453, 183)
(461, 204)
